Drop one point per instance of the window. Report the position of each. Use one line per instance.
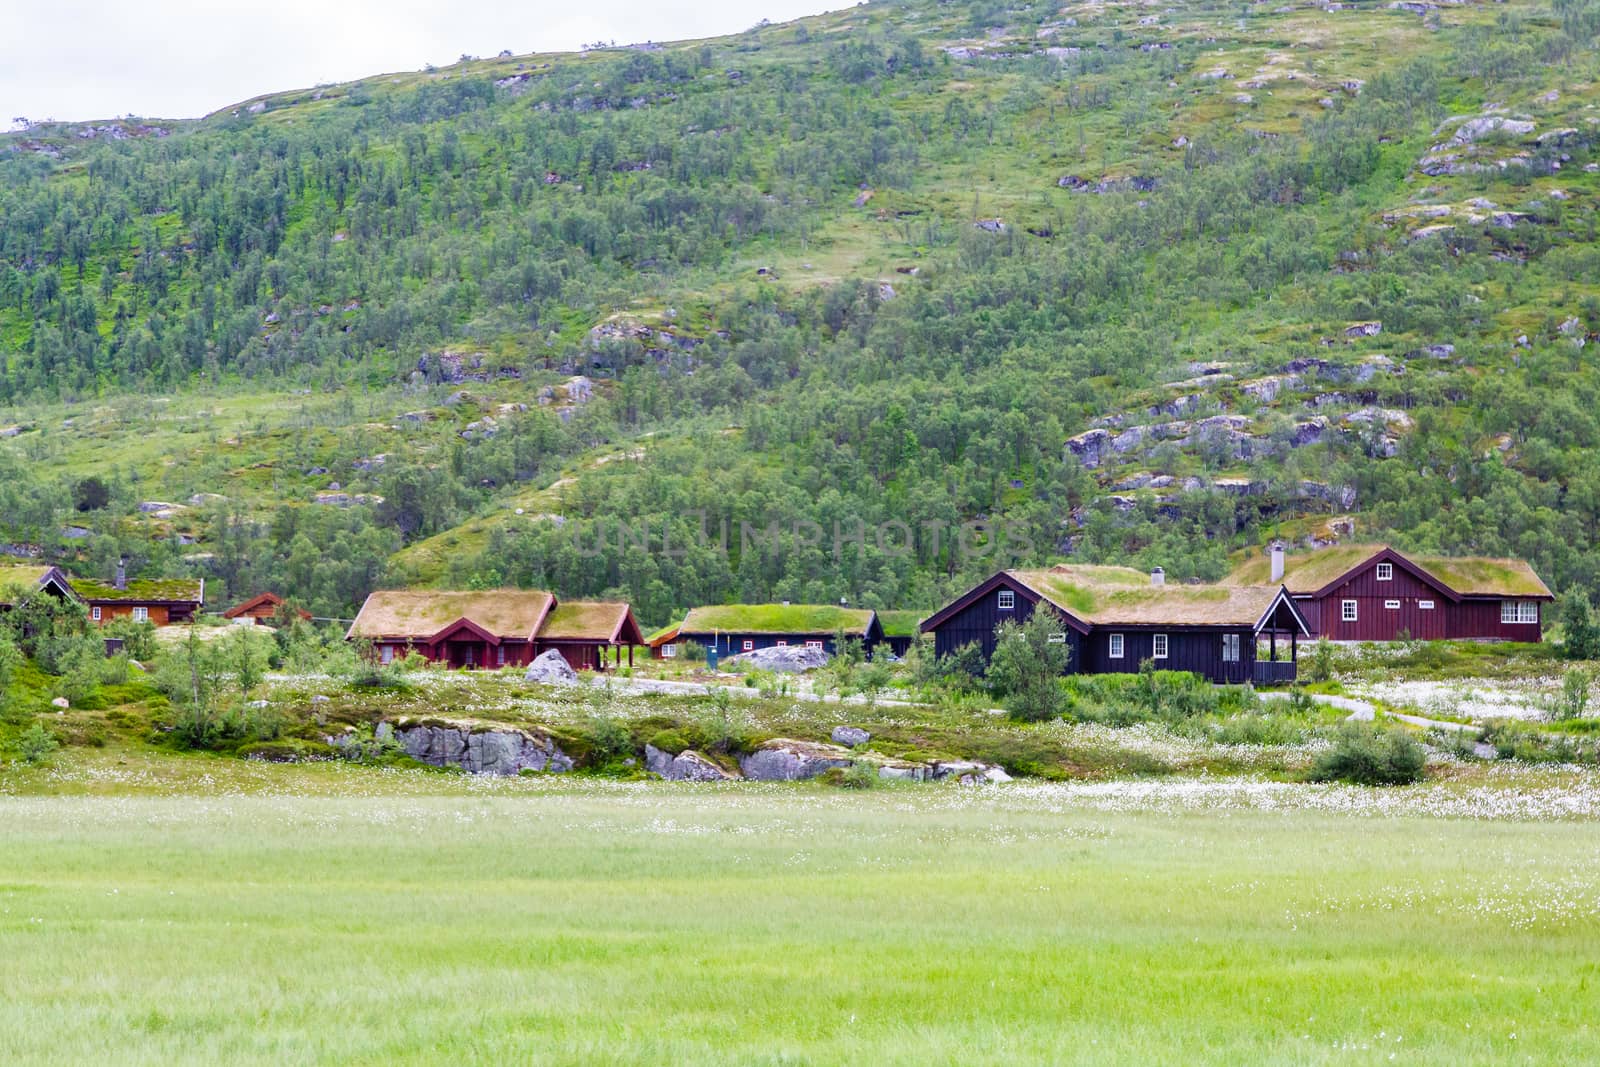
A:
(1347, 611)
(94, 613)
(1425, 605)
(669, 650)
(813, 644)
(385, 653)
(1386, 572)
(1230, 648)
(1159, 645)
(1116, 646)
(499, 655)
(1391, 605)
(748, 645)
(1008, 600)
(1519, 611)
(141, 614)
(1057, 639)
(782, 643)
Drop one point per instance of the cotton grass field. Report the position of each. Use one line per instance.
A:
(359, 917)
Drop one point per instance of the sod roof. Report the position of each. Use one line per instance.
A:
(143, 590)
(777, 619)
(1310, 571)
(22, 575)
(1112, 596)
(901, 623)
(590, 620)
(420, 613)
(663, 635)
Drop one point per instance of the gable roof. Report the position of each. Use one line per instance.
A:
(1090, 595)
(143, 591)
(779, 619)
(31, 576)
(418, 614)
(260, 600)
(901, 623)
(591, 620)
(1315, 571)
(662, 636)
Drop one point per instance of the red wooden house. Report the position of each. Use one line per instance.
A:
(261, 609)
(160, 601)
(492, 628)
(1375, 593)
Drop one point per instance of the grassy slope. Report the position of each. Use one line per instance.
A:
(653, 924)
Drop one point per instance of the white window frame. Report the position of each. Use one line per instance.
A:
(1425, 605)
(669, 650)
(1386, 572)
(499, 655)
(749, 646)
(1391, 605)
(782, 643)
(385, 653)
(1231, 648)
(1007, 600)
(141, 614)
(1349, 611)
(1116, 647)
(94, 613)
(1057, 639)
(1519, 612)
(1159, 646)
(813, 644)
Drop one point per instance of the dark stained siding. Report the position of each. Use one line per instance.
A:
(1194, 650)
(976, 623)
(1374, 622)
(728, 644)
(1481, 619)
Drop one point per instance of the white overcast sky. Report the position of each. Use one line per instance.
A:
(90, 59)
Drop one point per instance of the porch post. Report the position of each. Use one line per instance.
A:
(1272, 642)
(1294, 646)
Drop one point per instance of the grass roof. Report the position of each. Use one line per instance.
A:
(777, 619)
(142, 590)
(666, 633)
(585, 619)
(901, 623)
(1109, 596)
(1309, 571)
(419, 613)
(22, 575)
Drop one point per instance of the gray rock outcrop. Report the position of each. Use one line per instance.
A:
(686, 766)
(850, 736)
(482, 751)
(787, 659)
(783, 759)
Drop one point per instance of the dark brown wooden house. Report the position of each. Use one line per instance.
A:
(493, 628)
(1376, 593)
(262, 609)
(159, 601)
(1116, 618)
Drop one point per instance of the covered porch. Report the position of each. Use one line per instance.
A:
(1278, 635)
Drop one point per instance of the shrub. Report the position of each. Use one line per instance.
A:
(1574, 702)
(1320, 665)
(670, 741)
(608, 739)
(1026, 667)
(860, 776)
(37, 744)
(1370, 755)
(288, 751)
(1580, 635)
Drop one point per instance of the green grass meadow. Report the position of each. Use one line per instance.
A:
(586, 922)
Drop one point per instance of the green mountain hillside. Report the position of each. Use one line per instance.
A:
(997, 282)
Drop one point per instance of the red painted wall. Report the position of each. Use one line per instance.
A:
(1467, 619)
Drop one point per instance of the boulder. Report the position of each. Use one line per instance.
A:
(969, 772)
(686, 766)
(60, 702)
(551, 668)
(788, 659)
(850, 736)
(501, 751)
(785, 760)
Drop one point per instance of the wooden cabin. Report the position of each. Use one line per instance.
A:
(664, 642)
(261, 609)
(900, 629)
(1115, 618)
(585, 632)
(1376, 593)
(159, 601)
(20, 579)
(734, 628)
(493, 628)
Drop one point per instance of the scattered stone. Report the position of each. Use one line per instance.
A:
(785, 760)
(476, 750)
(60, 702)
(786, 659)
(686, 766)
(850, 736)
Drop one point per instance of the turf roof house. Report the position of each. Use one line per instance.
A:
(161, 601)
(260, 610)
(1374, 593)
(1115, 618)
(900, 629)
(734, 628)
(494, 627)
(28, 578)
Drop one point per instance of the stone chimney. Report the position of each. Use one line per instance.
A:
(1158, 577)
(1277, 561)
(121, 580)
